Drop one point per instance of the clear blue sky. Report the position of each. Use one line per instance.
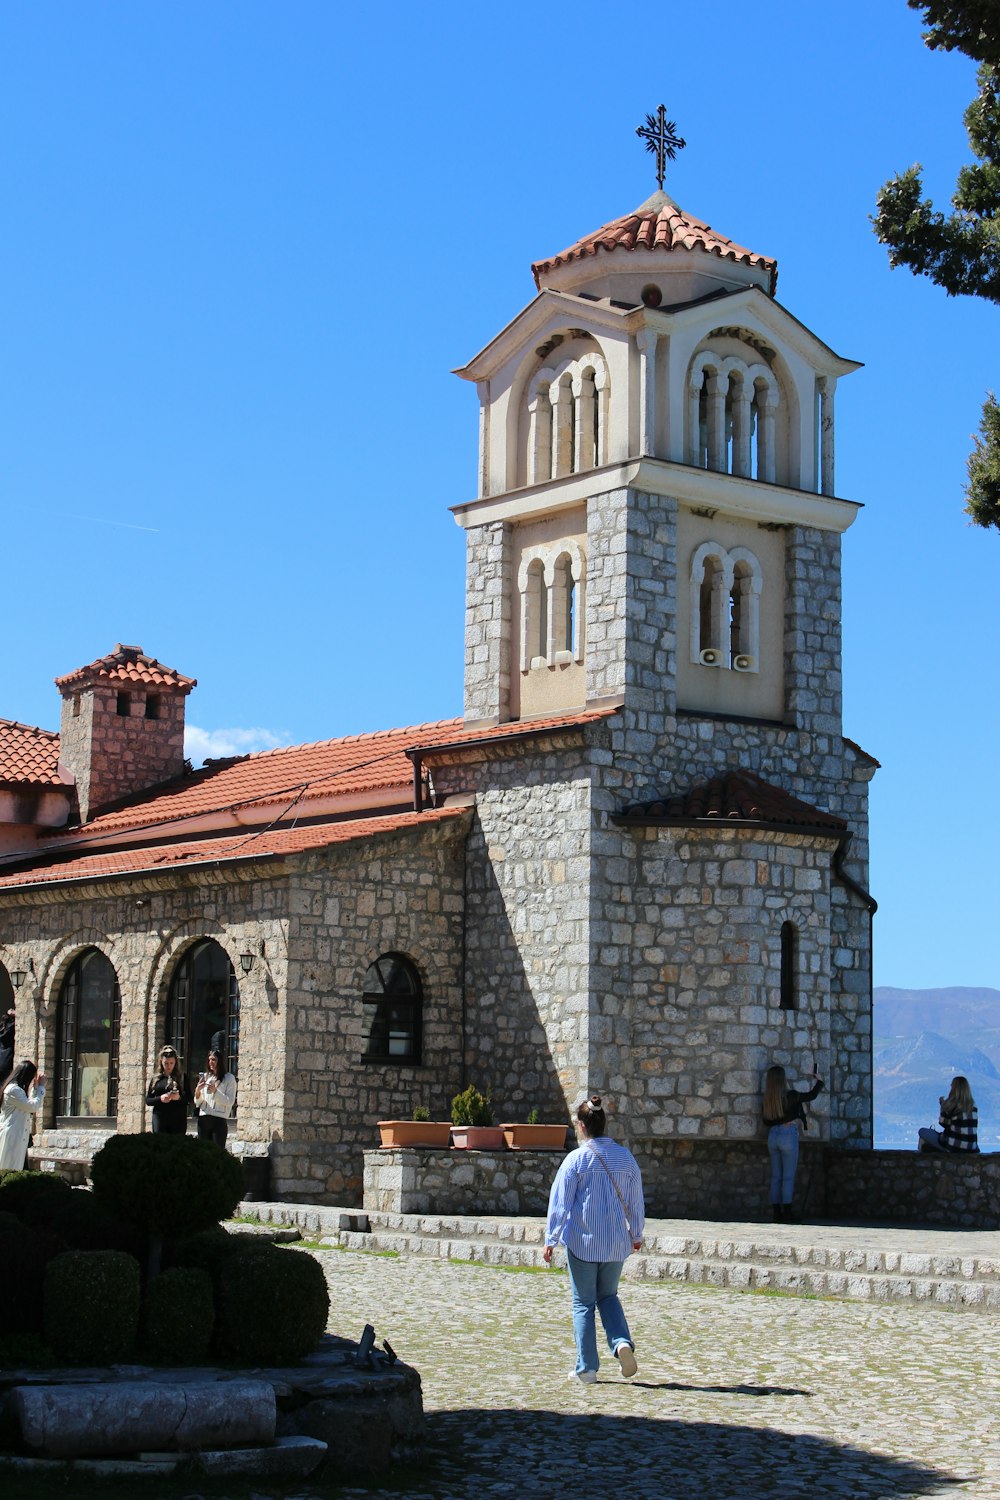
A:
(245, 243)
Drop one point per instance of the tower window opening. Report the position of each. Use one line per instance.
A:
(789, 994)
(76, 705)
(754, 451)
(123, 706)
(153, 706)
(702, 454)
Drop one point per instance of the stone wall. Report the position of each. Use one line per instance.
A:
(692, 1179)
(111, 755)
(306, 1096)
(488, 643)
(412, 1181)
(915, 1187)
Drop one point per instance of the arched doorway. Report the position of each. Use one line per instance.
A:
(203, 1006)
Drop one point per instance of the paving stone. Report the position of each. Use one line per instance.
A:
(739, 1395)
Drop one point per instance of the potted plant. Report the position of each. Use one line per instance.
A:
(420, 1131)
(472, 1125)
(532, 1136)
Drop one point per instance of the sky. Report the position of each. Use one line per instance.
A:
(243, 246)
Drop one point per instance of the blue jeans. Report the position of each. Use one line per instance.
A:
(595, 1288)
(783, 1148)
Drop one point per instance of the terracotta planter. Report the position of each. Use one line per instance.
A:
(415, 1133)
(477, 1137)
(535, 1137)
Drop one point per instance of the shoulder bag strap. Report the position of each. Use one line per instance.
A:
(614, 1184)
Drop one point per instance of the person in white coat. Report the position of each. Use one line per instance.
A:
(22, 1096)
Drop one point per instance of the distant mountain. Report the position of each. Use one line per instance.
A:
(922, 1038)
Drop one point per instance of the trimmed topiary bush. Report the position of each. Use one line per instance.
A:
(91, 1306)
(273, 1307)
(178, 1316)
(212, 1248)
(82, 1224)
(24, 1255)
(20, 1191)
(166, 1183)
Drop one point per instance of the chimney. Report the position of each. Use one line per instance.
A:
(122, 726)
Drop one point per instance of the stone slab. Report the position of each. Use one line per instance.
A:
(290, 1456)
(64, 1421)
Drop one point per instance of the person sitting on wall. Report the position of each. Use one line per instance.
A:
(959, 1121)
(214, 1096)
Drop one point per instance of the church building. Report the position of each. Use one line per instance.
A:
(636, 865)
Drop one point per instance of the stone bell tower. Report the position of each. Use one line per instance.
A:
(656, 516)
(657, 535)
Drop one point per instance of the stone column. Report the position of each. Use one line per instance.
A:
(539, 438)
(742, 428)
(483, 392)
(583, 434)
(826, 390)
(646, 341)
(562, 429)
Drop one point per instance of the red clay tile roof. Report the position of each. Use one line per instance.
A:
(82, 864)
(127, 664)
(658, 224)
(356, 765)
(739, 798)
(28, 754)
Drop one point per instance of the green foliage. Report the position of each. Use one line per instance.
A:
(91, 1306)
(472, 1108)
(971, 26)
(166, 1184)
(178, 1316)
(421, 1112)
(24, 1255)
(533, 1115)
(211, 1249)
(19, 1191)
(8, 1222)
(959, 251)
(272, 1308)
(82, 1223)
(982, 492)
(24, 1351)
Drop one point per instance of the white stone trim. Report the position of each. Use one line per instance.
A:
(702, 488)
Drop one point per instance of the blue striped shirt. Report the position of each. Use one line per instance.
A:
(585, 1213)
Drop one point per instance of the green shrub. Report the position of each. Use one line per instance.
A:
(91, 1306)
(211, 1249)
(472, 1108)
(178, 1316)
(272, 1308)
(421, 1112)
(8, 1222)
(20, 1191)
(82, 1224)
(24, 1255)
(166, 1183)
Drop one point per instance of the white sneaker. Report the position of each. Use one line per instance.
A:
(584, 1377)
(626, 1358)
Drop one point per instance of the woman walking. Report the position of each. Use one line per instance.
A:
(783, 1109)
(215, 1095)
(169, 1095)
(22, 1096)
(596, 1211)
(959, 1121)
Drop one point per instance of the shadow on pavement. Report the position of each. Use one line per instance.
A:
(593, 1453)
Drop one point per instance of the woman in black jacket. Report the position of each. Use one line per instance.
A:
(783, 1109)
(169, 1094)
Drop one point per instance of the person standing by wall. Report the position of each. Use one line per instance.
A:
(22, 1096)
(169, 1095)
(596, 1211)
(784, 1108)
(215, 1095)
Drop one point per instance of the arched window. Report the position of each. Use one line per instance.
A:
(392, 1002)
(789, 966)
(203, 1007)
(732, 406)
(725, 608)
(551, 582)
(88, 1019)
(568, 418)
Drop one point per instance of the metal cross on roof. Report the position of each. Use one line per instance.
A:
(660, 135)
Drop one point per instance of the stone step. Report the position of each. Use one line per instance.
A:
(780, 1270)
(872, 1264)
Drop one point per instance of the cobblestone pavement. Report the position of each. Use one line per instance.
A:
(739, 1396)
